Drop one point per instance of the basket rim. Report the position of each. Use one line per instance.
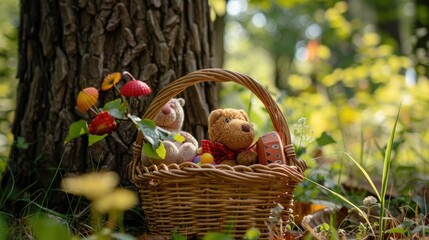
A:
(219, 75)
(255, 172)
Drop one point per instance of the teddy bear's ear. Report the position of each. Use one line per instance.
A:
(181, 101)
(244, 114)
(214, 115)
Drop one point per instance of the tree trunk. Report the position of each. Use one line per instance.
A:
(421, 45)
(66, 45)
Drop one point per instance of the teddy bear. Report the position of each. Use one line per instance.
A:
(232, 137)
(171, 119)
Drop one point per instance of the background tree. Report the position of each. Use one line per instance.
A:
(67, 45)
(421, 44)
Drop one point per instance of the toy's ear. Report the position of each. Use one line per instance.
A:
(181, 101)
(244, 114)
(214, 115)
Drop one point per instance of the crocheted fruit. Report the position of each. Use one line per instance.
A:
(135, 88)
(86, 98)
(207, 158)
(102, 124)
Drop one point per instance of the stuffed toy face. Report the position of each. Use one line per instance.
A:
(171, 115)
(232, 128)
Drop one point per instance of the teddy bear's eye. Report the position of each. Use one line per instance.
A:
(227, 120)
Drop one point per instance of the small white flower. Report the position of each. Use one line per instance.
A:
(302, 120)
(370, 200)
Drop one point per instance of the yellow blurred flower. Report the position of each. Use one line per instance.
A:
(322, 119)
(384, 50)
(323, 52)
(110, 80)
(298, 82)
(349, 115)
(121, 199)
(91, 185)
(331, 15)
(329, 80)
(370, 39)
(361, 71)
(405, 61)
(394, 63)
(341, 6)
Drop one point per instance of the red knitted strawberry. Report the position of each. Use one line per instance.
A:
(135, 88)
(102, 124)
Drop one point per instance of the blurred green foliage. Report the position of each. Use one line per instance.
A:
(330, 64)
(9, 20)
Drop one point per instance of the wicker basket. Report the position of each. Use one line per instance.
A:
(193, 199)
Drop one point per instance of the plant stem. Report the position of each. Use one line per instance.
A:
(128, 74)
(94, 110)
(385, 175)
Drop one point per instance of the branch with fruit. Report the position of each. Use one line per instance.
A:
(106, 118)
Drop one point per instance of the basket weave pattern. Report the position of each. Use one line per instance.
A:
(194, 199)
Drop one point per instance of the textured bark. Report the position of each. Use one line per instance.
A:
(66, 45)
(218, 41)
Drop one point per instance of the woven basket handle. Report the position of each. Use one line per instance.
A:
(222, 75)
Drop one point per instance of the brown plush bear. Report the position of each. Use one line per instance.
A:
(171, 118)
(232, 137)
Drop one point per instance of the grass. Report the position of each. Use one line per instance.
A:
(384, 223)
(385, 177)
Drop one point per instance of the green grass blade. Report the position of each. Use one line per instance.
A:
(368, 178)
(362, 213)
(385, 174)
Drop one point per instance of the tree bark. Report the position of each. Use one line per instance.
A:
(66, 45)
(421, 45)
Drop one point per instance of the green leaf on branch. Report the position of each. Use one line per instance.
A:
(116, 108)
(164, 134)
(152, 152)
(167, 135)
(148, 128)
(77, 129)
(325, 139)
(95, 138)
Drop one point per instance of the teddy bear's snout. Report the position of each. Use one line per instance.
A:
(166, 109)
(245, 128)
